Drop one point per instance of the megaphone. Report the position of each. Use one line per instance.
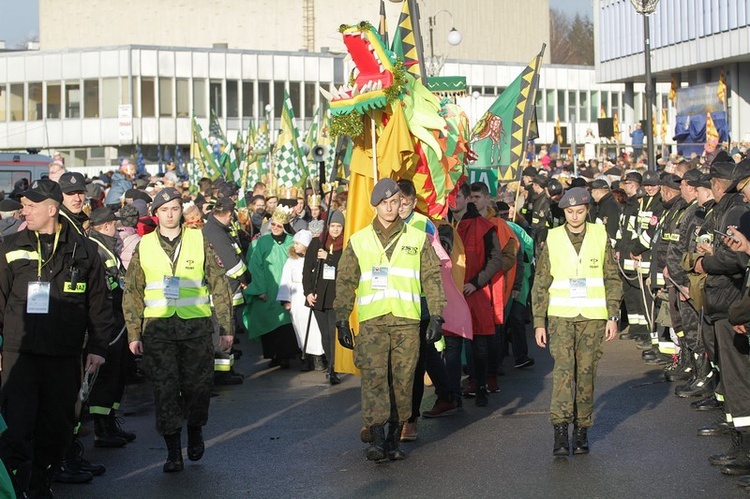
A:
(318, 153)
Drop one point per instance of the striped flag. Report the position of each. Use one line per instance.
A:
(721, 92)
(382, 26)
(712, 134)
(406, 41)
(616, 127)
(201, 154)
(290, 166)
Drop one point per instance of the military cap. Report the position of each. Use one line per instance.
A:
(10, 205)
(634, 177)
(385, 188)
(102, 215)
(529, 171)
(578, 182)
(164, 196)
(72, 182)
(703, 181)
(575, 197)
(43, 189)
(554, 187)
(541, 181)
(724, 170)
(224, 204)
(613, 171)
(651, 178)
(671, 181)
(599, 183)
(137, 194)
(691, 175)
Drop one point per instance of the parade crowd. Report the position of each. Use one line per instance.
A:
(124, 276)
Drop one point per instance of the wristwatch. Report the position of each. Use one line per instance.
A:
(614, 318)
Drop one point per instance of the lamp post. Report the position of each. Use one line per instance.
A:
(435, 63)
(646, 8)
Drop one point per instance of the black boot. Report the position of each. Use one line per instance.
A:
(580, 440)
(104, 436)
(376, 450)
(684, 369)
(75, 454)
(740, 466)
(718, 427)
(730, 455)
(482, 396)
(704, 383)
(113, 423)
(708, 403)
(562, 445)
(174, 453)
(40, 484)
(393, 442)
(333, 378)
(195, 447)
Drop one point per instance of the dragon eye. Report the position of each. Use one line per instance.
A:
(363, 24)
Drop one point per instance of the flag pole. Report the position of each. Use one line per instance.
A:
(374, 152)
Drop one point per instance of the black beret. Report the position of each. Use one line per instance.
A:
(575, 197)
(385, 188)
(164, 196)
(72, 182)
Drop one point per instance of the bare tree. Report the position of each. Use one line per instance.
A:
(571, 39)
(24, 44)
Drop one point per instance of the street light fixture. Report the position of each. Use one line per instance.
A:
(435, 64)
(646, 8)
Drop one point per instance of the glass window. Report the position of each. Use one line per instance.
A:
(264, 96)
(310, 93)
(550, 99)
(148, 99)
(583, 106)
(183, 97)
(573, 106)
(96, 152)
(54, 104)
(72, 100)
(278, 97)
(248, 98)
(560, 105)
(125, 95)
(91, 98)
(16, 102)
(165, 96)
(215, 97)
(295, 96)
(233, 99)
(594, 107)
(35, 101)
(199, 98)
(110, 97)
(3, 111)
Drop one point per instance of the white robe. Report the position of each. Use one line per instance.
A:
(290, 289)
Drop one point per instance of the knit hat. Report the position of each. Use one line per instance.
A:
(303, 237)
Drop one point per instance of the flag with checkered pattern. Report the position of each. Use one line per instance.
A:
(290, 166)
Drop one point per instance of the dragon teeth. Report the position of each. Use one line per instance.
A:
(325, 93)
(382, 68)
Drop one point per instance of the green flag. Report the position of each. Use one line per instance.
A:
(202, 155)
(498, 139)
(290, 166)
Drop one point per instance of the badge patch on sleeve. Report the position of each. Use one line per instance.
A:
(80, 287)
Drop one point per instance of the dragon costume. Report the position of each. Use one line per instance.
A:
(418, 136)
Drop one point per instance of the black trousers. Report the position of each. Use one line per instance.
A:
(633, 299)
(37, 400)
(109, 387)
(430, 360)
(326, 320)
(735, 372)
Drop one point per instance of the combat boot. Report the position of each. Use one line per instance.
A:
(104, 434)
(733, 453)
(708, 403)
(580, 440)
(562, 445)
(196, 446)
(704, 383)
(113, 423)
(376, 450)
(174, 454)
(684, 368)
(393, 442)
(75, 455)
(740, 466)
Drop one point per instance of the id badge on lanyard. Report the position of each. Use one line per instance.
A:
(380, 278)
(171, 287)
(578, 288)
(37, 297)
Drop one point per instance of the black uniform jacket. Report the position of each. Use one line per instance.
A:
(74, 308)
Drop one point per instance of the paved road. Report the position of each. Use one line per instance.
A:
(289, 434)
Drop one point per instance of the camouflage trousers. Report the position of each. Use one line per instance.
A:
(181, 372)
(381, 348)
(576, 347)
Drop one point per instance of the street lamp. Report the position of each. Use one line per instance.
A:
(646, 8)
(435, 63)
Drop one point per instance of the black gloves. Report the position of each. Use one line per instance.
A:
(345, 334)
(434, 329)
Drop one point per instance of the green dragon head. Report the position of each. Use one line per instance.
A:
(378, 78)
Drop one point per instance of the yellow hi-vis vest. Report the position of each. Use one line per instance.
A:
(193, 301)
(587, 267)
(401, 296)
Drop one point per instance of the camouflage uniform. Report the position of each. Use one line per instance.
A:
(182, 388)
(386, 337)
(575, 344)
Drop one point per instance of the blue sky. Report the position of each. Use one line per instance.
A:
(20, 18)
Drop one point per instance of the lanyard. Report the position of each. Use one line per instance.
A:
(393, 241)
(41, 265)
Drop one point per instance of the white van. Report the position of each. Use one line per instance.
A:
(15, 166)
